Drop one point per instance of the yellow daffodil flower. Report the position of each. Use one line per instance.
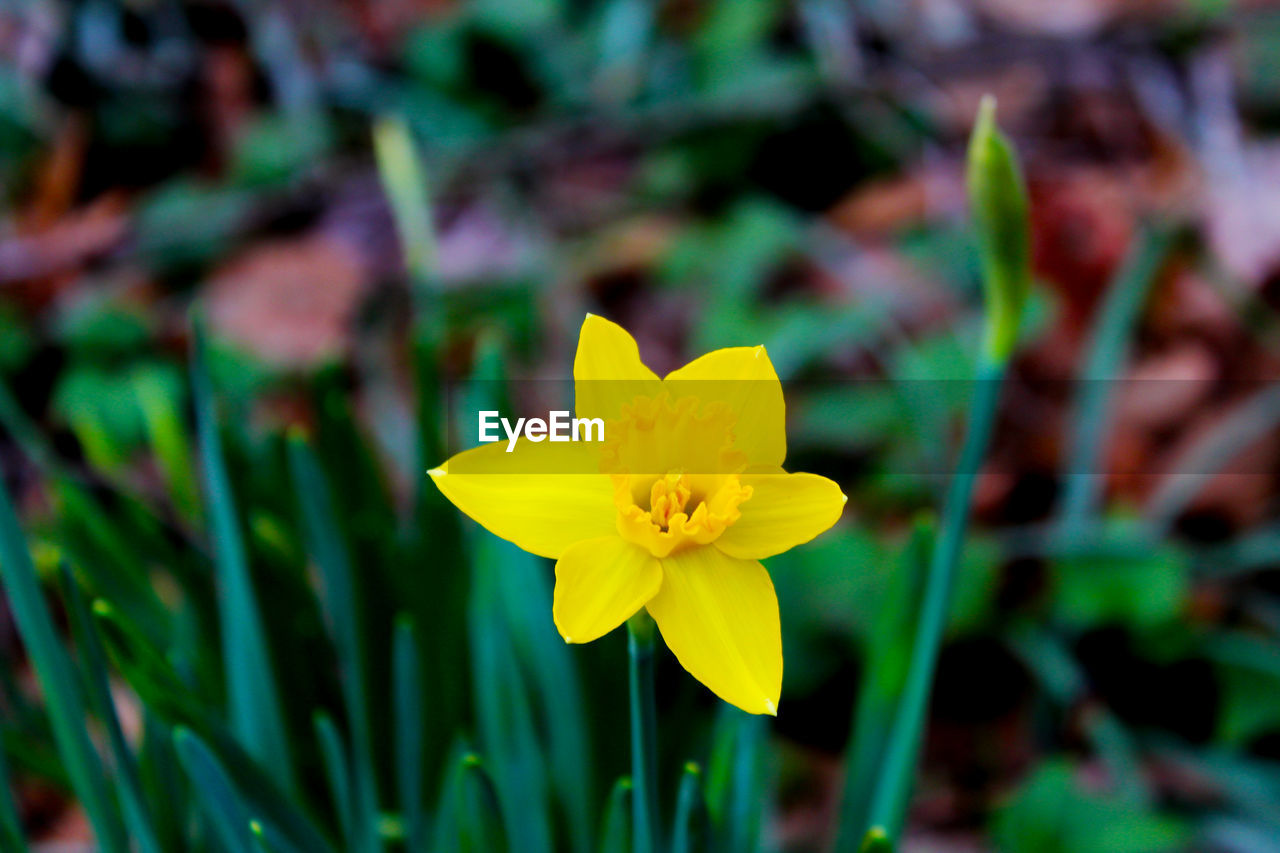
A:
(672, 511)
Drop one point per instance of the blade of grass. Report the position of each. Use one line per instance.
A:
(691, 811)
(404, 180)
(525, 594)
(11, 835)
(615, 826)
(165, 694)
(57, 678)
(554, 686)
(321, 531)
(137, 816)
(470, 815)
(1106, 352)
(170, 443)
(226, 814)
(256, 714)
(216, 792)
(336, 768)
(409, 721)
(163, 782)
(507, 728)
(885, 671)
(735, 792)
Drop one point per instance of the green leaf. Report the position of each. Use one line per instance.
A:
(167, 695)
(409, 721)
(998, 200)
(137, 815)
(57, 678)
(736, 785)
(404, 181)
(691, 812)
(1105, 354)
(506, 724)
(215, 792)
(339, 597)
(615, 826)
(256, 713)
(885, 665)
(470, 817)
(338, 770)
(160, 403)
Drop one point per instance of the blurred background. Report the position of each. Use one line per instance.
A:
(364, 200)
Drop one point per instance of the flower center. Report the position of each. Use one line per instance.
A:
(675, 471)
(667, 498)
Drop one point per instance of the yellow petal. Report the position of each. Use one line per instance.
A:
(600, 583)
(607, 371)
(537, 496)
(743, 378)
(719, 615)
(784, 510)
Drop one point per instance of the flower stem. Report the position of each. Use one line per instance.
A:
(644, 797)
(892, 791)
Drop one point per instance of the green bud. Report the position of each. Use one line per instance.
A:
(998, 199)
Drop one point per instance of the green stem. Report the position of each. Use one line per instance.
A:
(644, 765)
(889, 800)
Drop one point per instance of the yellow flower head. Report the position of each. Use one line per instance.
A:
(672, 511)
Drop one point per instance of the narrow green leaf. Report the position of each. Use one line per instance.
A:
(109, 552)
(506, 724)
(615, 826)
(256, 713)
(525, 597)
(215, 792)
(334, 754)
(736, 792)
(998, 201)
(1106, 351)
(404, 180)
(691, 812)
(57, 679)
(555, 687)
(223, 799)
(322, 531)
(470, 814)
(169, 441)
(137, 815)
(885, 664)
(163, 781)
(11, 835)
(166, 694)
(409, 721)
